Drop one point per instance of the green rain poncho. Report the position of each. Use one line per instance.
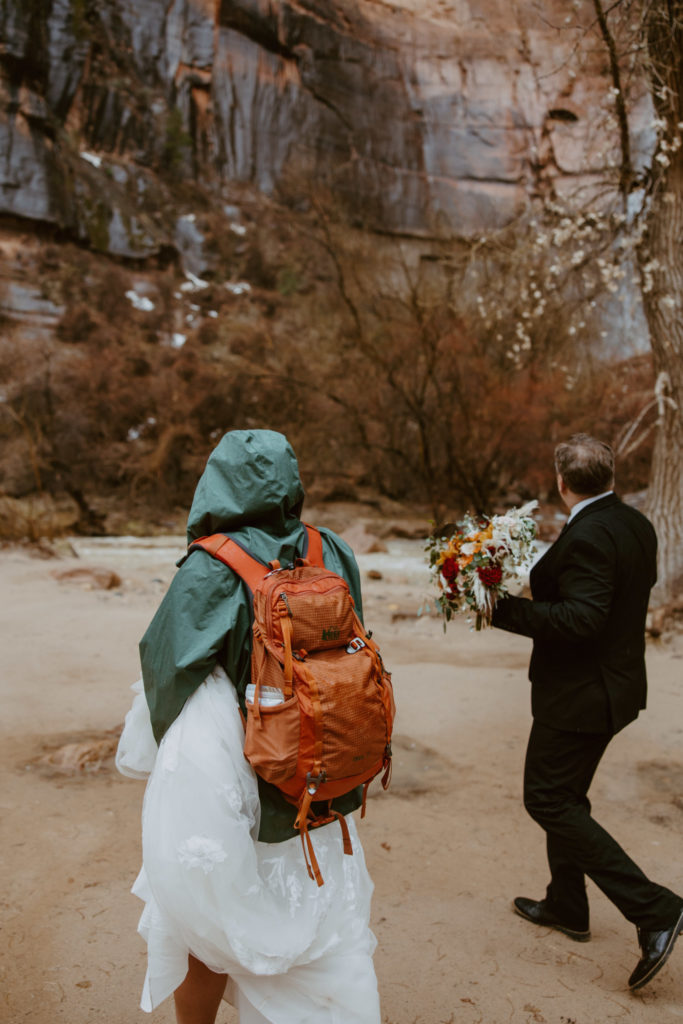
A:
(250, 489)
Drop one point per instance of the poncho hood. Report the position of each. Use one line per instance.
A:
(251, 477)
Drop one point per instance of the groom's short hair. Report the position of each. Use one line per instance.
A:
(585, 464)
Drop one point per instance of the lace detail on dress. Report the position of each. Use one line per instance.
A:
(283, 883)
(201, 852)
(295, 890)
(232, 795)
(351, 881)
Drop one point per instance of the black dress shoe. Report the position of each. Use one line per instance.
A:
(537, 912)
(656, 949)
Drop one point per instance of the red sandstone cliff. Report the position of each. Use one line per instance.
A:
(422, 116)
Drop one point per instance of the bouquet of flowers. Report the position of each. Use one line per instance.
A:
(474, 561)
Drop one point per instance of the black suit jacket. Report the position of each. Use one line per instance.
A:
(590, 594)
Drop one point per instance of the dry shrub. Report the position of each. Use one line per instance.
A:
(442, 421)
(380, 370)
(77, 324)
(626, 416)
(453, 378)
(161, 469)
(36, 517)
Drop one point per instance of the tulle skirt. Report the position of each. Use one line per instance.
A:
(295, 953)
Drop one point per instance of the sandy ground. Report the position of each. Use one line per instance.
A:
(448, 846)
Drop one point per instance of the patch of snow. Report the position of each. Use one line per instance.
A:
(213, 314)
(136, 432)
(178, 340)
(91, 158)
(193, 284)
(238, 287)
(140, 301)
(238, 229)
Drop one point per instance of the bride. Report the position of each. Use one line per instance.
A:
(230, 911)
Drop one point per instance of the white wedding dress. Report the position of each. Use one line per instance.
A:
(295, 953)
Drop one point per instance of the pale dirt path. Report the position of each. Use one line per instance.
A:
(448, 846)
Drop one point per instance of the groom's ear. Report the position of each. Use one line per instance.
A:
(561, 486)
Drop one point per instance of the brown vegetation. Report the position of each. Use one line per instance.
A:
(379, 366)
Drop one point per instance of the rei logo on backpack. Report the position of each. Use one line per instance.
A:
(321, 713)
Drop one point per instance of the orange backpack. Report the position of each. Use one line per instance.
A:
(322, 708)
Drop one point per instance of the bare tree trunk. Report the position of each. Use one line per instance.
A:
(665, 493)
(661, 265)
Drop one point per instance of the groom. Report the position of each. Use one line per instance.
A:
(586, 617)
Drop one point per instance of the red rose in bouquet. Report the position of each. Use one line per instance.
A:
(490, 575)
(450, 569)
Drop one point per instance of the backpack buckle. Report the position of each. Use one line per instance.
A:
(355, 645)
(312, 783)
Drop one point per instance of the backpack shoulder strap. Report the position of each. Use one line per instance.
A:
(228, 551)
(314, 552)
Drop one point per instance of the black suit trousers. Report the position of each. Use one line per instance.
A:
(558, 772)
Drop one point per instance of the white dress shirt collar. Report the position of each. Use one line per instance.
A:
(586, 501)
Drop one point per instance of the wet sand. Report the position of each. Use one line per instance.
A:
(448, 846)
